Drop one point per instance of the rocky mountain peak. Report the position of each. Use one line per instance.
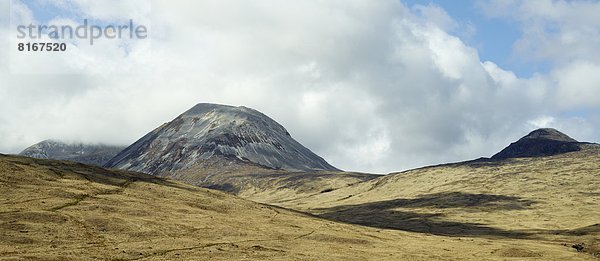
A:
(224, 116)
(209, 131)
(549, 134)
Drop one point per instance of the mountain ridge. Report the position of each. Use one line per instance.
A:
(93, 154)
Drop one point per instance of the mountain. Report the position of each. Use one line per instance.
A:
(96, 155)
(217, 132)
(56, 210)
(539, 143)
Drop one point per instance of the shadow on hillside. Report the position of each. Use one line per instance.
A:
(300, 181)
(388, 214)
(582, 231)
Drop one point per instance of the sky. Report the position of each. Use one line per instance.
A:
(374, 86)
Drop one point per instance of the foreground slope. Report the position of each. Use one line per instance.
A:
(217, 132)
(78, 152)
(68, 211)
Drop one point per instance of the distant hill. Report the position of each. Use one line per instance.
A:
(96, 155)
(540, 143)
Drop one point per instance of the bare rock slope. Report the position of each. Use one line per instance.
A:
(210, 131)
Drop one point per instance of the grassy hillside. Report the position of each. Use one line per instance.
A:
(252, 180)
(550, 199)
(62, 211)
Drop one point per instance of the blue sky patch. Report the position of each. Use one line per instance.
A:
(493, 38)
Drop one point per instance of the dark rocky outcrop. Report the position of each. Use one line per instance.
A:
(540, 143)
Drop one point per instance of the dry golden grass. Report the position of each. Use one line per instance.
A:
(250, 180)
(54, 210)
(553, 199)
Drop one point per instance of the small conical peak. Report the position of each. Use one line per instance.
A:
(549, 134)
(539, 143)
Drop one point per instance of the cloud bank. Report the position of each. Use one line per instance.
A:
(371, 86)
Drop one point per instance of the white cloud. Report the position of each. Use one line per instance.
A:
(542, 122)
(105, 56)
(578, 85)
(368, 85)
(107, 10)
(566, 35)
(558, 31)
(437, 16)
